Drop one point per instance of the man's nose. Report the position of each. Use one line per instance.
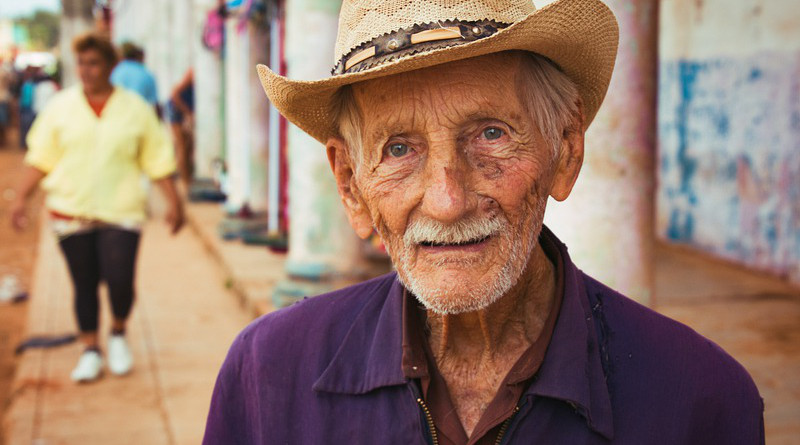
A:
(447, 197)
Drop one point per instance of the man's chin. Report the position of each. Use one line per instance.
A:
(454, 295)
(455, 284)
(453, 305)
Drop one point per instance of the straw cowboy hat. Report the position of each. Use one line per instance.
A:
(378, 38)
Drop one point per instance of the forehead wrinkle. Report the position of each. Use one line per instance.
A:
(445, 95)
(390, 113)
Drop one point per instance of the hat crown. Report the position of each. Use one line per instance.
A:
(362, 20)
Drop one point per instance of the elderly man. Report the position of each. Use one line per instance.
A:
(448, 125)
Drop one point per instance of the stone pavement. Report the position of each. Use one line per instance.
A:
(183, 321)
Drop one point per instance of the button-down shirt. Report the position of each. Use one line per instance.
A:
(94, 164)
(329, 370)
(419, 363)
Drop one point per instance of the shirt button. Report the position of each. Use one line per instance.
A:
(414, 368)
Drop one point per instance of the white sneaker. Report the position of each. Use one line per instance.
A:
(120, 359)
(89, 367)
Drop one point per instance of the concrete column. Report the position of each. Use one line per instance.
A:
(158, 46)
(148, 23)
(236, 83)
(324, 252)
(182, 36)
(132, 23)
(165, 31)
(247, 114)
(257, 116)
(208, 130)
(276, 39)
(76, 18)
(608, 221)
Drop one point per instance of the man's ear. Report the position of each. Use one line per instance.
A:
(569, 161)
(343, 172)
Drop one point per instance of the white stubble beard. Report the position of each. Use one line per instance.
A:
(438, 297)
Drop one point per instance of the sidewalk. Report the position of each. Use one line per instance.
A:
(183, 321)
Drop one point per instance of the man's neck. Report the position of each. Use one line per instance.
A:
(516, 318)
(475, 351)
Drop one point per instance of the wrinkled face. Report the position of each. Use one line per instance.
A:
(93, 69)
(454, 175)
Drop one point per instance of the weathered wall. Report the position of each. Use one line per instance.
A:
(729, 130)
(607, 221)
(166, 32)
(208, 129)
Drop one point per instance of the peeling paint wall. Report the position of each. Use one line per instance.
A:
(729, 130)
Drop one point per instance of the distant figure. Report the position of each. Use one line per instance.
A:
(6, 81)
(180, 112)
(44, 90)
(91, 144)
(133, 75)
(26, 95)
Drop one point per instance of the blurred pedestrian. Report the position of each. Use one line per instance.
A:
(131, 73)
(26, 94)
(6, 81)
(91, 144)
(44, 89)
(180, 112)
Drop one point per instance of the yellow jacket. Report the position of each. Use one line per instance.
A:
(94, 164)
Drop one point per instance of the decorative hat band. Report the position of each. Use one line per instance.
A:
(415, 40)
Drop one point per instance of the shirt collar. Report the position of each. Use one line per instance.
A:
(572, 370)
(371, 354)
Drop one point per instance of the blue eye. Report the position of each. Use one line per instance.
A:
(398, 150)
(492, 133)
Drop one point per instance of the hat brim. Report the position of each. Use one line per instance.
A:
(580, 36)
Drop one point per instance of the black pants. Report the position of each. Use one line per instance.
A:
(103, 254)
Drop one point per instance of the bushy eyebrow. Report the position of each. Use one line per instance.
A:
(491, 114)
(384, 132)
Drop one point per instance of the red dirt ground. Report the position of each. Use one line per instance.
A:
(17, 255)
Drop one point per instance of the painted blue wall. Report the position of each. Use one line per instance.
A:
(729, 160)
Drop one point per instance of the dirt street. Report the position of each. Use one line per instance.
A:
(17, 255)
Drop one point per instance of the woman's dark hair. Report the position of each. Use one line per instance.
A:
(97, 42)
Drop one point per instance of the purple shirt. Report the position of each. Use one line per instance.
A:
(328, 370)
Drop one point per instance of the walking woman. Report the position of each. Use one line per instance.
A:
(90, 146)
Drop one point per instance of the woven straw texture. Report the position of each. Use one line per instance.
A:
(580, 36)
(361, 20)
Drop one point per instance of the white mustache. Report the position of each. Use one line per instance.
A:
(425, 230)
